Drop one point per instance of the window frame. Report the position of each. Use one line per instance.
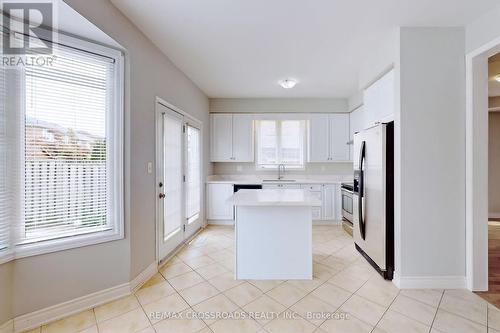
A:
(115, 163)
(279, 121)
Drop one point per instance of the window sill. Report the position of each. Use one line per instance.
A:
(62, 244)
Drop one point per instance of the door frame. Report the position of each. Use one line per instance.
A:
(158, 153)
(476, 182)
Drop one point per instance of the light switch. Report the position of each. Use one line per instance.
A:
(150, 167)
(239, 168)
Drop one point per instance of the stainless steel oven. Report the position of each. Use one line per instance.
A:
(347, 206)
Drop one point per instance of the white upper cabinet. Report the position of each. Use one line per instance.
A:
(379, 100)
(328, 137)
(356, 124)
(339, 137)
(231, 138)
(319, 133)
(243, 139)
(221, 148)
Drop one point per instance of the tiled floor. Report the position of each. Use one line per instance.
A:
(344, 296)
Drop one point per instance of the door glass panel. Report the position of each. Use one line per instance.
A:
(193, 177)
(172, 161)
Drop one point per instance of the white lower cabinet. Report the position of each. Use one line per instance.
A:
(217, 206)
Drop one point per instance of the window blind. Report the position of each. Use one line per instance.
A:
(66, 139)
(280, 142)
(193, 177)
(4, 194)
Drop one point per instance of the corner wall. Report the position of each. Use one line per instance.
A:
(5, 292)
(432, 148)
(49, 279)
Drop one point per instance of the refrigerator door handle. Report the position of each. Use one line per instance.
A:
(361, 191)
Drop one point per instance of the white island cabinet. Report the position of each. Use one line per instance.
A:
(273, 234)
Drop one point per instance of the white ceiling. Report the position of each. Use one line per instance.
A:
(241, 48)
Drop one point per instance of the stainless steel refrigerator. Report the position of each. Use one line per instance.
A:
(373, 197)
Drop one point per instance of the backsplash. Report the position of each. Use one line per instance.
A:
(339, 169)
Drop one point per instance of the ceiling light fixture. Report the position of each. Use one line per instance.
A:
(497, 77)
(288, 83)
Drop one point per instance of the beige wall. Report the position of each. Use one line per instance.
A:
(45, 280)
(263, 105)
(494, 165)
(5, 292)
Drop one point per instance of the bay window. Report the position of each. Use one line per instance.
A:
(70, 141)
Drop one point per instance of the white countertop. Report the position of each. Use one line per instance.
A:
(286, 197)
(293, 179)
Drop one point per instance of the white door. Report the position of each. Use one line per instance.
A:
(319, 134)
(221, 143)
(339, 137)
(170, 181)
(243, 139)
(193, 176)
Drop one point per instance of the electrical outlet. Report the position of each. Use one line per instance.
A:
(239, 168)
(150, 167)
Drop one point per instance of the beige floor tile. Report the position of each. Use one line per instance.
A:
(235, 326)
(198, 262)
(348, 280)
(324, 272)
(92, 329)
(292, 324)
(332, 294)
(185, 280)
(428, 296)
(287, 294)
(313, 309)
(379, 291)
(190, 252)
(464, 294)
(350, 324)
(266, 285)
(360, 307)
(174, 270)
(393, 322)
(307, 285)
(35, 330)
(149, 329)
(212, 306)
(115, 308)
(172, 304)
(154, 293)
(243, 294)
(264, 304)
(493, 317)
(447, 322)
(225, 281)
(414, 309)
(334, 263)
(185, 323)
(221, 255)
(470, 309)
(211, 271)
(198, 293)
(156, 279)
(129, 322)
(72, 323)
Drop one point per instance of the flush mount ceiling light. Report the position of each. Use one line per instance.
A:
(497, 77)
(288, 83)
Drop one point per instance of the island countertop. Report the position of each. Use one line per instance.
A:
(274, 197)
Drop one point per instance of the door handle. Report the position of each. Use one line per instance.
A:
(361, 190)
(162, 195)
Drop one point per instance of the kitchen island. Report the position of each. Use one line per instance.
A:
(273, 234)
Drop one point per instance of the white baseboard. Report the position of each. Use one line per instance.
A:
(58, 311)
(143, 277)
(7, 327)
(429, 282)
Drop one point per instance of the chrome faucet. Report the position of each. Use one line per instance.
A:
(280, 176)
